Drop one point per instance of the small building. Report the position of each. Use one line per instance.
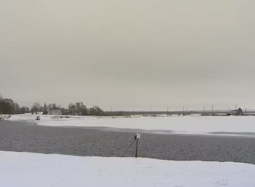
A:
(54, 112)
(237, 112)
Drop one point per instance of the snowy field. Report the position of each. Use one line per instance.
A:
(41, 170)
(172, 124)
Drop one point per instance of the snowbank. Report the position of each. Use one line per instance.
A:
(41, 170)
(180, 125)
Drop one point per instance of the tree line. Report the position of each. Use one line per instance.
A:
(8, 106)
(78, 108)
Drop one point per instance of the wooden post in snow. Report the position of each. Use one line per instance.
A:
(137, 139)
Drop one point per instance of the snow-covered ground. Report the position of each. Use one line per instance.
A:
(175, 124)
(41, 170)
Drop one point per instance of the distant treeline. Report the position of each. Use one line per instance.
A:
(8, 106)
(78, 108)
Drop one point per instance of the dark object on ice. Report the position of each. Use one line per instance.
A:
(37, 118)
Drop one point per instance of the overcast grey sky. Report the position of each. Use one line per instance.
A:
(130, 53)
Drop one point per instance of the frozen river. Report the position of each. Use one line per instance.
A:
(96, 141)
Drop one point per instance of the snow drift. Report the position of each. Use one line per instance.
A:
(227, 125)
(41, 170)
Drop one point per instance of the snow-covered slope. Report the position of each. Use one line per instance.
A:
(181, 125)
(41, 170)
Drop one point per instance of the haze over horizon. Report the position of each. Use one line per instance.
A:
(128, 54)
